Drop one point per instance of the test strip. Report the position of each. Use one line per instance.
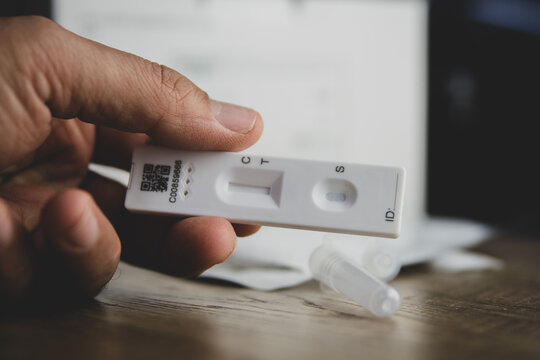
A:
(265, 190)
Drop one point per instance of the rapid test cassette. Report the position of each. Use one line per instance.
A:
(266, 190)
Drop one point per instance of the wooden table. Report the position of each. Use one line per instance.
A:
(146, 315)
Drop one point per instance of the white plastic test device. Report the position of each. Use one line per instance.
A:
(247, 189)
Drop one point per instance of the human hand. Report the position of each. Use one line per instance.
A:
(66, 100)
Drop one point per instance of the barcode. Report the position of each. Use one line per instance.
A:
(155, 178)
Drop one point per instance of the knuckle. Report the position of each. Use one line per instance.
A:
(44, 28)
(40, 22)
(34, 29)
(31, 43)
(46, 37)
(178, 88)
(26, 117)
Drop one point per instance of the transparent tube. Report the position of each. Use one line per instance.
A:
(380, 261)
(343, 275)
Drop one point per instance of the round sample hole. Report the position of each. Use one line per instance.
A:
(334, 194)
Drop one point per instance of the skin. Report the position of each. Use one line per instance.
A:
(66, 101)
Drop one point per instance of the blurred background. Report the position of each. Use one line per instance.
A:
(450, 90)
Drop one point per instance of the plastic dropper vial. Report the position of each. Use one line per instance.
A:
(337, 272)
(379, 260)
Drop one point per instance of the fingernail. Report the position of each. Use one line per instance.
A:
(234, 117)
(84, 234)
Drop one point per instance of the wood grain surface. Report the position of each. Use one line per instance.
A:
(146, 315)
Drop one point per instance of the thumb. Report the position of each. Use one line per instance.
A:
(105, 86)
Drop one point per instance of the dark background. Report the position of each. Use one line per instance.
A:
(483, 108)
(25, 7)
(483, 111)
